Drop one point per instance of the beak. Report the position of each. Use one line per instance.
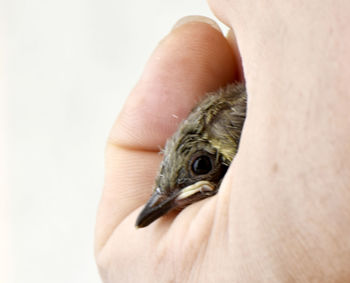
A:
(159, 203)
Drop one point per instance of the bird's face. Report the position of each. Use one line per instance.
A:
(192, 169)
(197, 156)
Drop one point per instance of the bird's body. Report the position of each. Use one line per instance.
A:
(197, 156)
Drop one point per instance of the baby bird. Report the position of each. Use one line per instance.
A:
(197, 156)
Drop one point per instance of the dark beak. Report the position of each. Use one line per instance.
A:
(158, 205)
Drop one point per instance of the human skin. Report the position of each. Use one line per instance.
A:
(283, 210)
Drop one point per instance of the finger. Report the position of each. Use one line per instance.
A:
(193, 59)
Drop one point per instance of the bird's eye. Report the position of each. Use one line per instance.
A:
(202, 165)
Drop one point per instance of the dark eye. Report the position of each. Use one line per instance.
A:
(201, 165)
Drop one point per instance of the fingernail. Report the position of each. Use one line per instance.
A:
(198, 19)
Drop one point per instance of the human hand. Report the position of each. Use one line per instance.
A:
(282, 211)
(193, 59)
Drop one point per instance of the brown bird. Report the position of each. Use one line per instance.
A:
(197, 156)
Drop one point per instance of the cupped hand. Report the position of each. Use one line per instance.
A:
(193, 59)
(282, 213)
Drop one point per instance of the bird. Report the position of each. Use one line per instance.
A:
(197, 156)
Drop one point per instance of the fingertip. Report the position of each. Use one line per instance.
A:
(196, 19)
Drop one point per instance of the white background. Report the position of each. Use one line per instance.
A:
(65, 69)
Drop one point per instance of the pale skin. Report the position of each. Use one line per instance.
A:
(283, 210)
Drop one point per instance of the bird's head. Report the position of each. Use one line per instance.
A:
(195, 160)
